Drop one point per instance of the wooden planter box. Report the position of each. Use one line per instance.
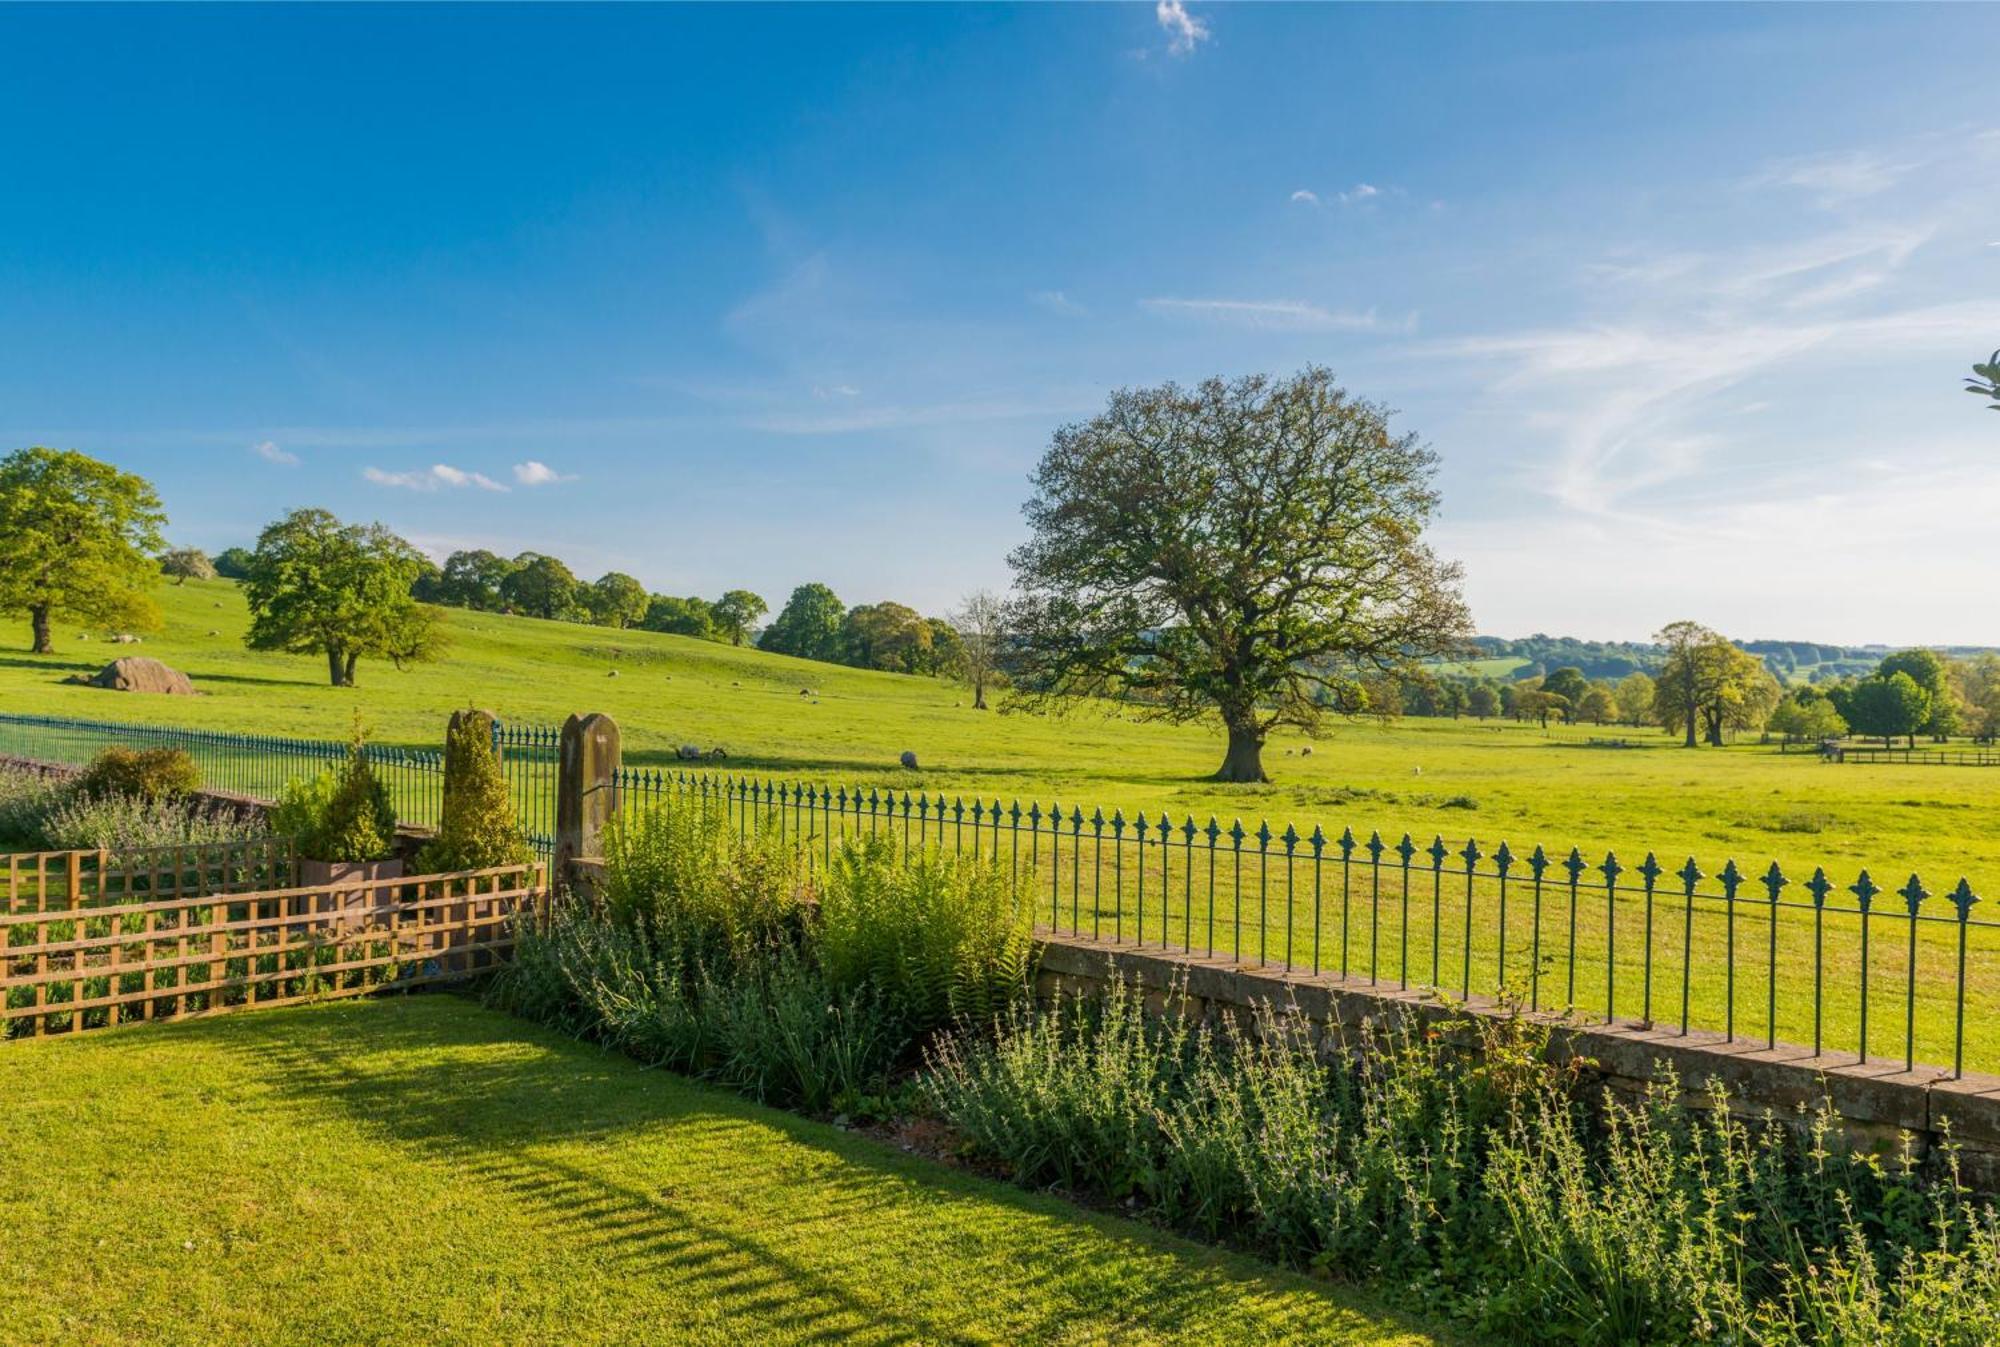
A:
(319, 874)
(358, 902)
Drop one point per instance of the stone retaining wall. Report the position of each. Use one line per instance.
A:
(1878, 1103)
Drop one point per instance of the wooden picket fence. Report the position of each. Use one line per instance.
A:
(88, 940)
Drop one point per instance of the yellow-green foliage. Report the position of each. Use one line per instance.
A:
(477, 828)
(939, 937)
(681, 875)
(145, 773)
(340, 815)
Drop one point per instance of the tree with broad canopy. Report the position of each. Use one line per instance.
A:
(1250, 550)
(77, 541)
(318, 585)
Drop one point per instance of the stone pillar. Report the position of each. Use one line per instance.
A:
(586, 792)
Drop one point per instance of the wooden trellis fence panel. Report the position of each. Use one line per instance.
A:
(69, 879)
(72, 960)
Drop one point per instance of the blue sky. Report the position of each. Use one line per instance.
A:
(750, 296)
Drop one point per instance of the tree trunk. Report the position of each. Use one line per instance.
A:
(333, 670)
(347, 672)
(979, 694)
(1244, 762)
(1691, 714)
(39, 614)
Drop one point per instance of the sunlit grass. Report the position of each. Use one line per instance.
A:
(422, 1170)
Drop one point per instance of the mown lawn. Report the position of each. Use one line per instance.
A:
(420, 1169)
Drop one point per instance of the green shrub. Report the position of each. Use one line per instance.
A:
(787, 1038)
(80, 822)
(937, 937)
(26, 797)
(144, 773)
(680, 875)
(771, 1029)
(340, 815)
(478, 829)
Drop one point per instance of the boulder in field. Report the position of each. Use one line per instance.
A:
(908, 760)
(137, 674)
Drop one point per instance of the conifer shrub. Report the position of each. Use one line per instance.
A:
(478, 829)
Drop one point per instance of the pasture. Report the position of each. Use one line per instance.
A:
(1493, 780)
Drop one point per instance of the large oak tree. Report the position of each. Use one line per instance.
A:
(77, 541)
(1250, 550)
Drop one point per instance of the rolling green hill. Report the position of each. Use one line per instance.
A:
(1462, 778)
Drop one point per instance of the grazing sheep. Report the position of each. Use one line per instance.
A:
(908, 760)
(610, 673)
(687, 752)
(1306, 752)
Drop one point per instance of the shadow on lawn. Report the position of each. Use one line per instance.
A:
(425, 1074)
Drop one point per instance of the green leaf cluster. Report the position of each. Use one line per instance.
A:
(940, 938)
(339, 816)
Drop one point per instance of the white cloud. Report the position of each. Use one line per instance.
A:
(269, 451)
(1360, 192)
(438, 475)
(1304, 197)
(536, 473)
(1288, 315)
(1184, 30)
(1055, 301)
(825, 391)
(1837, 178)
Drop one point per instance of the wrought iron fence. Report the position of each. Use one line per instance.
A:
(259, 766)
(1858, 969)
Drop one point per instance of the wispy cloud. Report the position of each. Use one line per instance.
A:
(1305, 197)
(1055, 301)
(826, 391)
(537, 473)
(1360, 192)
(1837, 178)
(1184, 31)
(269, 451)
(1279, 314)
(436, 477)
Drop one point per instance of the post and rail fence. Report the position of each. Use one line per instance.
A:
(1887, 972)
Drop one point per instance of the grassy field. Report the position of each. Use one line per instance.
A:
(421, 1169)
(1491, 780)
(1614, 789)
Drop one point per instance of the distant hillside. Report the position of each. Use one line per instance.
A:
(1788, 661)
